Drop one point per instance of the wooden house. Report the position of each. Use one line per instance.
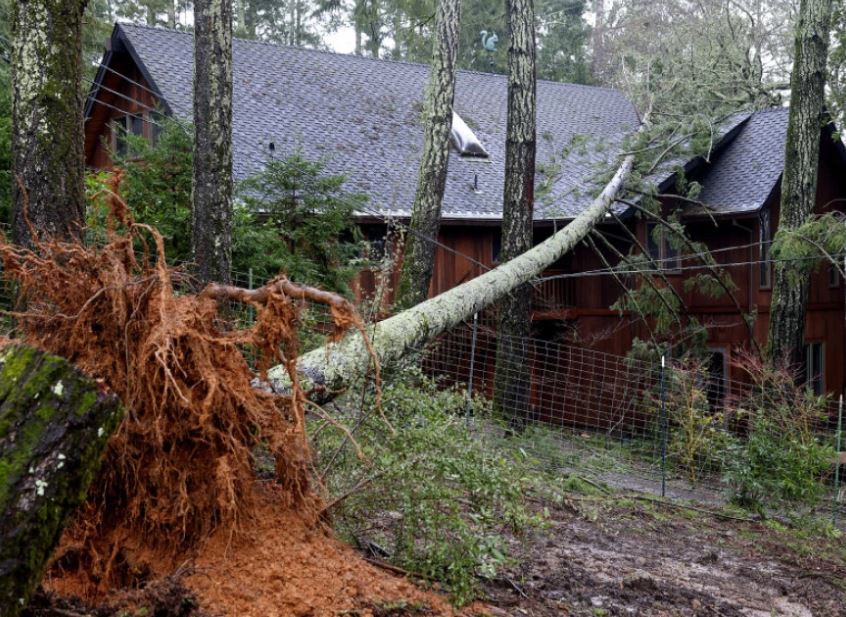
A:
(363, 117)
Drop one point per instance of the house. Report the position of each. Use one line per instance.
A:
(364, 116)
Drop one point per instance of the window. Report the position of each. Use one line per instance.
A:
(496, 246)
(833, 276)
(660, 249)
(813, 368)
(129, 124)
(765, 266)
(715, 366)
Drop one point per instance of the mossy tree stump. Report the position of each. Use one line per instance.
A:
(54, 425)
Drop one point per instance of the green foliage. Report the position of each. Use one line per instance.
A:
(822, 238)
(312, 213)
(434, 495)
(293, 217)
(697, 439)
(783, 460)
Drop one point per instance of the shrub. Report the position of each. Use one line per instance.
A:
(433, 495)
(783, 461)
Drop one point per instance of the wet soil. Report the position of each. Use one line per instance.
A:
(614, 555)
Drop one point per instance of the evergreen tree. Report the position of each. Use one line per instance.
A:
(212, 184)
(512, 378)
(419, 258)
(47, 123)
(799, 181)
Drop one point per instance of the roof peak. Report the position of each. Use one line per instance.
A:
(124, 24)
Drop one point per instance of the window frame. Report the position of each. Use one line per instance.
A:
(124, 124)
(817, 381)
(765, 265)
(663, 248)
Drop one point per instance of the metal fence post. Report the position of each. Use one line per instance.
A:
(663, 432)
(837, 445)
(472, 366)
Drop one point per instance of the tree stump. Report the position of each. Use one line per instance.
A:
(54, 425)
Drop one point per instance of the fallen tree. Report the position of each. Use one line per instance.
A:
(326, 371)
(54, 425)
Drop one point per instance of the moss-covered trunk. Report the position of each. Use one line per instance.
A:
(512, 378)
(419, 259)
(47, 139)
(212, 183)
(799, 182)
(54, 425)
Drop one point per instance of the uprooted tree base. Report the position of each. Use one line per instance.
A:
(177, 481)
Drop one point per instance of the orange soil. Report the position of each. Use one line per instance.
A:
(279, 564)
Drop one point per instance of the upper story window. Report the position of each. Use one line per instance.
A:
(765, 274)
(127, 124)
(661, 250)
(464, 139)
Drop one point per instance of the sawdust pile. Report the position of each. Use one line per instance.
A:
(177, 481)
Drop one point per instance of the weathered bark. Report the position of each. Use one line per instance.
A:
(329, 370)
(799, 182)
(514, 313)
(212, 181)
(419, 258)
(54, 425)
(597, 60)
(47, 133)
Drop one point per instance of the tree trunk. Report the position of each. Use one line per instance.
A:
(419, 258)
(54, 425)
(47, 126)
(597, 61)
(171, 14)
(328, 370)
(512, 378)
(212, 182)
(799, 182)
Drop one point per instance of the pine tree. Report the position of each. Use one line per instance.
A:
(512, 379)
(799, 182)
(419, 258)
(212, 182)
(47, 125)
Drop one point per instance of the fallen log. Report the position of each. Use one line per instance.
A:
(54, 425)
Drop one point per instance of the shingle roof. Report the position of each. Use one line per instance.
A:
(364, 115)
(742, 177)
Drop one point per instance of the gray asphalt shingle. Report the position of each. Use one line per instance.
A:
(363, 117)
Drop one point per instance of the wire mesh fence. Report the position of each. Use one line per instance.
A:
(647, 424)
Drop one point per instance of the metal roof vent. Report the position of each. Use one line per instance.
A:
(464, 140)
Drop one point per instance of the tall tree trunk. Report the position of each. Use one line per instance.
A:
(47, 126)
(512, 378)
(419, 258)
(597, 61)
(171, 14)
(212, 182)
(250, 18)
(799, 182)
(54, 425)
(328, 370)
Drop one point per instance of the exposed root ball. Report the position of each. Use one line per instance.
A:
(180, 465)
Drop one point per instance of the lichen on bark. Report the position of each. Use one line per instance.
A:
(512, 379)
(54, 425)
(418, 261)
(799, 181)
(47, 123)
(212, 186)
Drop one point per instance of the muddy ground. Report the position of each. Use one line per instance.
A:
(614, 555)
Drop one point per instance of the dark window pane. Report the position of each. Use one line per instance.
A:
(651, 244)
(137, 125)
(716, 368)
